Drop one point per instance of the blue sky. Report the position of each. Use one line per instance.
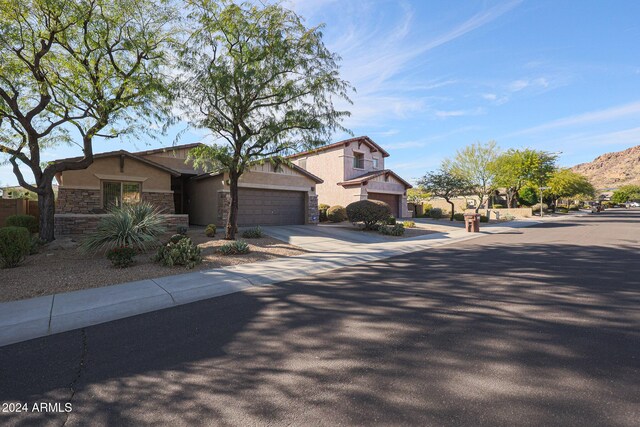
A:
(433, 76)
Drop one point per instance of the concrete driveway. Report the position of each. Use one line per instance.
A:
(322, 237)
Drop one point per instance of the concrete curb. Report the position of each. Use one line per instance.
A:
(37, 317)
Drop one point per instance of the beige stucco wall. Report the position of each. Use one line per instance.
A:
(501, 212)
(264, 176)
(174, 159)
(346, 195)
(203, 199)
(379, 185)
(460, 203)
(328, 165)
(108, 169)
(348, 153)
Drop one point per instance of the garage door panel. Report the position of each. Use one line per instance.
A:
(391, 199)
(270, 207)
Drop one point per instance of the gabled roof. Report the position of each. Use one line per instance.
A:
(370, 175)
(126, 154)
(292, 166)
(172, 148)
(359, 139)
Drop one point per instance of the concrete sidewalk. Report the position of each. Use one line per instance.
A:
(41, 316)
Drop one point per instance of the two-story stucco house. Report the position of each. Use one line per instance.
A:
(354, 170)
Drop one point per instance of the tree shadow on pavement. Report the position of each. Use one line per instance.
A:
(489, 332)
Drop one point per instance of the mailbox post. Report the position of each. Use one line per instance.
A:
(472, 222)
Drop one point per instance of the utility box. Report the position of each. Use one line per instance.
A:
(472, 222)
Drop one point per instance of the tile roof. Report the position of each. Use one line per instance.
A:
(364, 139)
(369, 175)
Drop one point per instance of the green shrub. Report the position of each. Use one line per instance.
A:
(484, 218)
(322, 210)
(508, 217)
(138, 226)
(27, 221)
(237, 247)
(180, 252)
(458, 217)
(336, 214)
(435, 213)
(562, 210)
(121, 257)
(390, 220)
(253, 233)
(369, 212)
(182, 229)
(35, 244)
(15, 245)
(210, 231)
(392, 230)
(498, 205)
(426, 207)
(408, 224)
(574, 207)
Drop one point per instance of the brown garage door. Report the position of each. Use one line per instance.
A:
(270, 207)
(391, 199)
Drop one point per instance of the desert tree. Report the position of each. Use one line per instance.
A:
(261, 82)
(446, 184)
(417, 195)
(626, 193)
(73, 71)
(517, 168)
(564, 183)
(474, 164)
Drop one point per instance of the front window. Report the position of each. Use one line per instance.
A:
(375, 163)
(115, 194)
(358, 160)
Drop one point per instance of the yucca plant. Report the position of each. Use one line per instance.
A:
(137, 226)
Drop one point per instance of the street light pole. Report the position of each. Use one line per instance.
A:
(556, 153)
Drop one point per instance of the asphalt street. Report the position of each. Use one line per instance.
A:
(540, 326)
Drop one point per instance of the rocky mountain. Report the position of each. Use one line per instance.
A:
(612, 170)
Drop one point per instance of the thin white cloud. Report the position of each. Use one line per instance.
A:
(623, 137)
(459, 113)
(609, 114)
(471, 24)
(521, 84)
(381, 54)
(423, 142)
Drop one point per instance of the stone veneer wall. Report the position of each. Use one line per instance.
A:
(74, 200)
(80, 201)
(224, 206)
(163, 201)
(81, 224)
(313, 215)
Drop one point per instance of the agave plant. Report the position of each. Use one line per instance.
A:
(137, 226)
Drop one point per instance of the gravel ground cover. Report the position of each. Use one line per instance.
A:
(60, 267)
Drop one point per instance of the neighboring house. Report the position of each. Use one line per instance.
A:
(268, 195)
(18, 192)
(354, 170)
